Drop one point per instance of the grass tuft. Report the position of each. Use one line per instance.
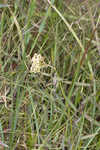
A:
(56, 106)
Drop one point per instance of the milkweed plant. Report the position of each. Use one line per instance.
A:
(38, 63)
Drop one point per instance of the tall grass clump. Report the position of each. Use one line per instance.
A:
(49, 75)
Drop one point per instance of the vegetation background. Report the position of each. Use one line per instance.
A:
(59, 107)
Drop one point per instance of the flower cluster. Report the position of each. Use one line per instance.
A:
(37, 63)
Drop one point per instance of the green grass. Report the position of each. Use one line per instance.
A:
(59, 107)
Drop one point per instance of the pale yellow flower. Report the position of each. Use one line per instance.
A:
(37, 63)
